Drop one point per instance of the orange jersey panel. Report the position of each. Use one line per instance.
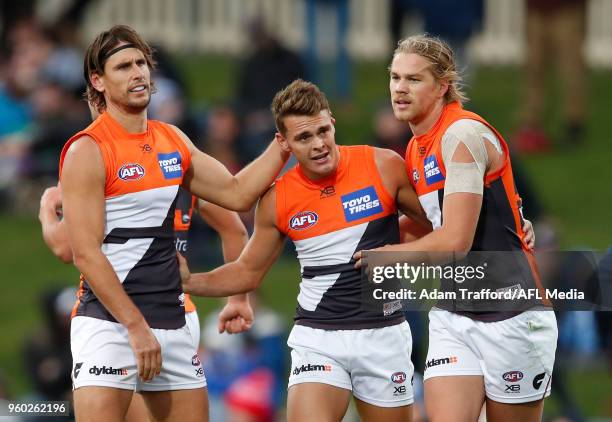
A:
(353, 195)
(136, 162)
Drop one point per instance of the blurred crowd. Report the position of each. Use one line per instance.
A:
(41, 83)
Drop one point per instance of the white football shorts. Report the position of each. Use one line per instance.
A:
(374, 363)
(102, 356)
(515, 356)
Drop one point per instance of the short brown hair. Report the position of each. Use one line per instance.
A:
(299, 98)
(97, 55)
(441, 56)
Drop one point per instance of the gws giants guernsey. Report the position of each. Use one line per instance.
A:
(143, 175)
(499, 223)
(329, 220)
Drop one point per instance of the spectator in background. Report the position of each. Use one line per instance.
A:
(222, 136)
(270, 67)
(46, 353)
(167, 68)
(245, 371)
(555, 35)
(453, 21)
(389, 132)
(11, 14)
(399, 10)
(59, 111)
(39, 98)
(169, 104)
(326, 46)
(27, 51)
(221, 140)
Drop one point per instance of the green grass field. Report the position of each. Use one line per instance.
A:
(574, 187)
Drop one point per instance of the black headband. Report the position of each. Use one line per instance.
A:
(116, 49)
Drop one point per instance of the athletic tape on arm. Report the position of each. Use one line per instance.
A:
(465, 177)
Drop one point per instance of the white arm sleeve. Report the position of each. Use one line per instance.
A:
(467, 177)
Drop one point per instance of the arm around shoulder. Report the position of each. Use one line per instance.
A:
(208, 179)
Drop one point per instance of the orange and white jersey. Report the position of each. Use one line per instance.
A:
(329, 220)
(144, 172)
(500, 221)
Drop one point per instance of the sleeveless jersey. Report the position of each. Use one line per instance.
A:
(143, 175)
(499, 223)
(183, 213)
(328, 221)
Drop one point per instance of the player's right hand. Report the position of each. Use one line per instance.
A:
(529, 236)
(147, 351)
(236, 316)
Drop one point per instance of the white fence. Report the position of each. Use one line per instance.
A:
(219, 26)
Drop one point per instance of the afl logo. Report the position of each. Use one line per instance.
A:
(513, 376)
(131, 172)
(398, 377)
(303, 220)
(195, 360)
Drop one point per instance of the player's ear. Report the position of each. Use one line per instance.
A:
(282, 141)
(96, 82)
(331, 116)
(443, 84)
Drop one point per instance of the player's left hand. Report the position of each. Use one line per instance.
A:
(357, 257)
(236, 316)
(529, 236)
(52, 199)
(360, 257)
(184, 272)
